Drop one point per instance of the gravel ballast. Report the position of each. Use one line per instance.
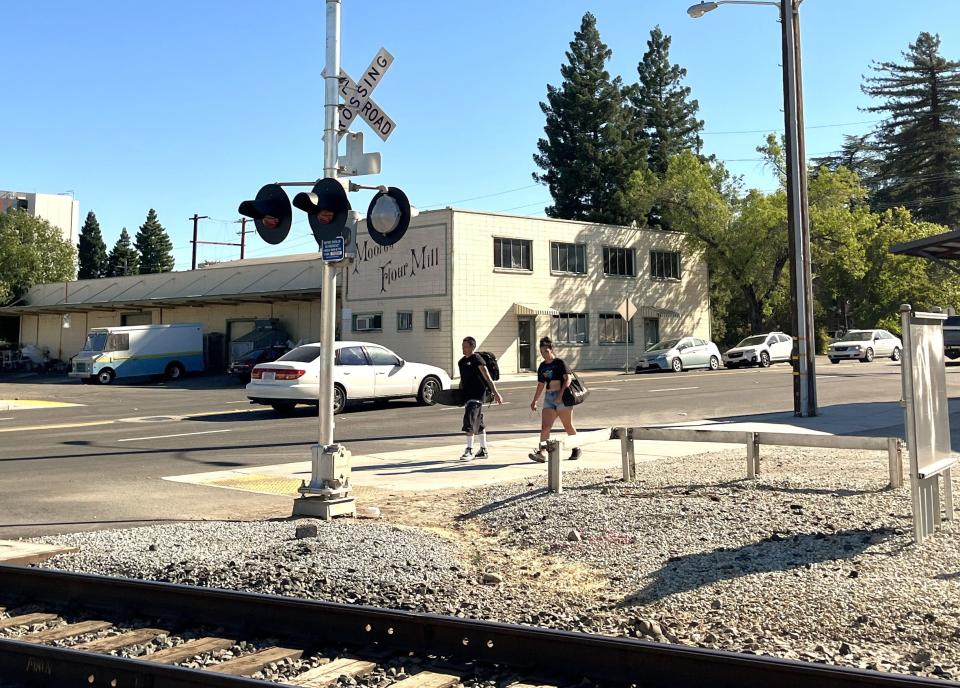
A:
(813, 561)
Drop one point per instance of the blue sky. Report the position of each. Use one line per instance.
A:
(191, 106)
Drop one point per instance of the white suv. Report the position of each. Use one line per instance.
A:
(760, 350)
(864, 346)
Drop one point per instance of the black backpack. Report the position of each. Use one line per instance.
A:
(490, 361)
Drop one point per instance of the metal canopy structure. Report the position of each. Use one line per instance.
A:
(289, 278)
(939, 248)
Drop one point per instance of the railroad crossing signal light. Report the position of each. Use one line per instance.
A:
(388, 216)
(326, 207)
(271, 213)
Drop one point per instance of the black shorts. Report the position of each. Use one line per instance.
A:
(473, 416)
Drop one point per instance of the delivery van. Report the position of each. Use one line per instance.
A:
(138, 351)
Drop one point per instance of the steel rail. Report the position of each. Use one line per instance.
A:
(553, 656)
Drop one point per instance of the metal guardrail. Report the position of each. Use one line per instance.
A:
(893, 446)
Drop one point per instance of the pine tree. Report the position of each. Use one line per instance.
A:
(668, 115)
(92, 252)
(154, 246)
(123, 258)
(919, 141)
(592, 145)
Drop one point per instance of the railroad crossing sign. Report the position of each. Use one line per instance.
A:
(358, 101)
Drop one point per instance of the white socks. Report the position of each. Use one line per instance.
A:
(483, 439)
(469, 441)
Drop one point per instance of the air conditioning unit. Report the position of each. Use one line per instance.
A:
(365, 322)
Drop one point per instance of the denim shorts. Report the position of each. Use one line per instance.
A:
(553, 400)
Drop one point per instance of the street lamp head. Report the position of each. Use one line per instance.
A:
(701, 8)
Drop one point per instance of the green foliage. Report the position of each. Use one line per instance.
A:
(918, 144)
(593, 142)
(92, 252)
(154, 246)
(668, 116)
(123, 258)
(32, 251)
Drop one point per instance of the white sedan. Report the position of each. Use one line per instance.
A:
(864, 345)
(362, 371)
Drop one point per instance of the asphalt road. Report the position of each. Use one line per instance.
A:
(100, 463)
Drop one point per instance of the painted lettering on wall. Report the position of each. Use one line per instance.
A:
(414, 266)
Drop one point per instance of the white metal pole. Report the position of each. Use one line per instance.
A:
(328, 294)
(794, 172)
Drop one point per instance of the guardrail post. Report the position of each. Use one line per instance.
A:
(627, 456)
(895, 455)
(753, 455)
(554, 476)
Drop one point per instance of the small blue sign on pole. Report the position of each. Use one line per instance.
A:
(333, 249)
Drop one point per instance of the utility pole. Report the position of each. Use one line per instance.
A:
(243, 236)
(804, 373)
(196, 218)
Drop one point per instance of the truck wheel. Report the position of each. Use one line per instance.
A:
(106, 376)
(174, 371)
(895, 356)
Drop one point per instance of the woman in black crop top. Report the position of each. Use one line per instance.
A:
(553, 375)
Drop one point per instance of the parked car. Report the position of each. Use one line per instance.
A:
(679, 354)
(760, 350)
(243, 366)
(362, 371)
(864, 346)
(951, 337)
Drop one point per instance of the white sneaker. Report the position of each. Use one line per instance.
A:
(467, 455)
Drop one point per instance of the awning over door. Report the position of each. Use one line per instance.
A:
(654, 312)
(527, 309)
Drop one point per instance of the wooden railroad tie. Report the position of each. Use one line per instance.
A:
(189, 649)
(68, 631)
(141, 635)
(328, 674)
(251, 664)
(26, 620)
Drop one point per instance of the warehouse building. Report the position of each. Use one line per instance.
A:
(505, 280)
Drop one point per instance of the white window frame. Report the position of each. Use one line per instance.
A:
(526, 244)
(426, 319)
(580, 257)
(562, 323)
(404, 329)
(666, 259)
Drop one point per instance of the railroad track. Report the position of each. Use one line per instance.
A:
(60, 630)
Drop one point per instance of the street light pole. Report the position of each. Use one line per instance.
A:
(801, 292)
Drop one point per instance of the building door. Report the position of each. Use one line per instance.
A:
(235, 330)
(525, 343)
(651, 332)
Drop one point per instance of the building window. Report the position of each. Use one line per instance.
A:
(136, 319)
(432, 320)
(22, 204)
(614, 330)
(512, 254)
(571, 258)
(404, 321)
(571, 328)
(367, 322)
(618, 261)
(665, 264)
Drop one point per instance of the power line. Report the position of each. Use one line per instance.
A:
(775, 129)
(477, 198)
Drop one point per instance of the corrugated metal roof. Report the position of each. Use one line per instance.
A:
(290, 277)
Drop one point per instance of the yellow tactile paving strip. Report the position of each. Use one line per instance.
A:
(24, 404)
(262, 484)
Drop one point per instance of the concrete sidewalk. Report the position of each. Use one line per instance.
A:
(438, 468)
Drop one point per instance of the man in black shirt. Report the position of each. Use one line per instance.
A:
(475, 380)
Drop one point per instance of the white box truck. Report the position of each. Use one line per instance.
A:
(138, 351)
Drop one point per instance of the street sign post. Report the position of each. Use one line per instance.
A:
(627, 310)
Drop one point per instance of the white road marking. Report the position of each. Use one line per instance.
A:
(672, 389)
(163, 437)
(237, 402)
(11, 418)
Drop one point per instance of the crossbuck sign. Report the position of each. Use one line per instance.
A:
(358, 102)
